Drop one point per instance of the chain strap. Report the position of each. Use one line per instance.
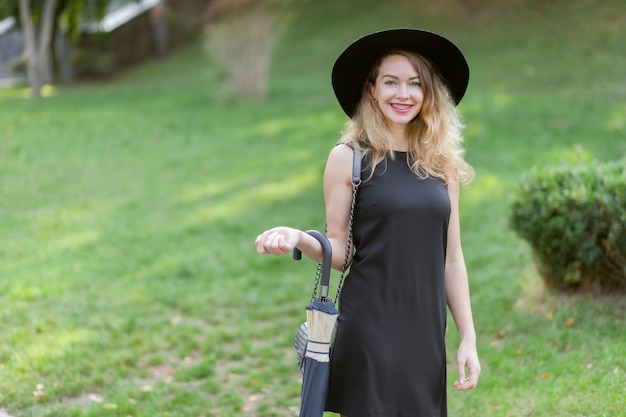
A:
(355, 187)
(318, 277)
(356, 182)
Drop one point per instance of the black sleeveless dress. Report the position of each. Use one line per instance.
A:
(388, 358)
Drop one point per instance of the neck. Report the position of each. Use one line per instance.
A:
(400, 141)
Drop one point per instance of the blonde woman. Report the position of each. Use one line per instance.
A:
(400, 88)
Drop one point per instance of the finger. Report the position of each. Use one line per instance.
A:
(460, 369)
(263, 242)
(474, 373)
(467, 383)
(463, 386)
(259, 242)
(276, 244)
(282, 245)
(269, 244)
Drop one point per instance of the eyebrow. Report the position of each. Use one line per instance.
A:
(397, 78)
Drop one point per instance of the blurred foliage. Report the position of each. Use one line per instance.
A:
(574, 217)
(240, 36)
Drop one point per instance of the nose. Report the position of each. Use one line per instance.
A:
(403, 91)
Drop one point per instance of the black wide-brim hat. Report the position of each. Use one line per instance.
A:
(353, 66)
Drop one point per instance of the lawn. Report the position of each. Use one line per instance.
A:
(129, 280)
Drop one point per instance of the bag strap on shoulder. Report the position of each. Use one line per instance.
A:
(356, 182)
(356, 166)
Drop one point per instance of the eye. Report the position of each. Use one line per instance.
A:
(415, 84)
(390, 82)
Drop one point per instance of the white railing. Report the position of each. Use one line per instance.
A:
(119, 16)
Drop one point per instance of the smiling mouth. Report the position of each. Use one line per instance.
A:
(402, 107)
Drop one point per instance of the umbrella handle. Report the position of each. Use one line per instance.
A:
(327, 257)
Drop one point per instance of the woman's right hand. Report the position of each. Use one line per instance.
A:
(278, 241)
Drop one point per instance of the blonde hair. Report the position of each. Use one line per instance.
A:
(435, 136)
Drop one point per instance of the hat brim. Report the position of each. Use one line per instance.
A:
(352, 67)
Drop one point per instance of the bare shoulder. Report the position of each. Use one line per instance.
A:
(341, 153)
(339, 164)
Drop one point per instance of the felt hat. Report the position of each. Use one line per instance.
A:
(353, 66)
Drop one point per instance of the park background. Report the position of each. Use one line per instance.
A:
(129, 280)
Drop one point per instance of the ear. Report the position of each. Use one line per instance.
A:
(373, 91)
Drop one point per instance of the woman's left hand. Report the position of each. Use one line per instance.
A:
(467, 358)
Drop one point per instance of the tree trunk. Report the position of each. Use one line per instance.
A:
(38, 55)
(31, 49)
(159, 29)
(45, 39)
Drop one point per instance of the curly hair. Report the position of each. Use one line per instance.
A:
(435, 134)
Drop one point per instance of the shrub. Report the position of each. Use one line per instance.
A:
(574, 218)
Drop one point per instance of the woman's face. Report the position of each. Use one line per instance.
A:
(398, 90)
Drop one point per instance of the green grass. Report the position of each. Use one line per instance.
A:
(129, 282)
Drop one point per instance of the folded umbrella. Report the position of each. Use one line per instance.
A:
(321, 317)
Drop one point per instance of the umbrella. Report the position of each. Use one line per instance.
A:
(321, 316)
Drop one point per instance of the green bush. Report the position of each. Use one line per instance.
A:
(574, 218)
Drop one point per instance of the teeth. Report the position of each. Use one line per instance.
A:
(401, 106)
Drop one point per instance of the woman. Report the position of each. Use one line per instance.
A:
(400, 88)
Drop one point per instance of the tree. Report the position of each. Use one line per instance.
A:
(40, 21)
(240, 36)
(37, 50)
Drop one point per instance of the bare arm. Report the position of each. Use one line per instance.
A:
(457, 290)
(338, 198)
